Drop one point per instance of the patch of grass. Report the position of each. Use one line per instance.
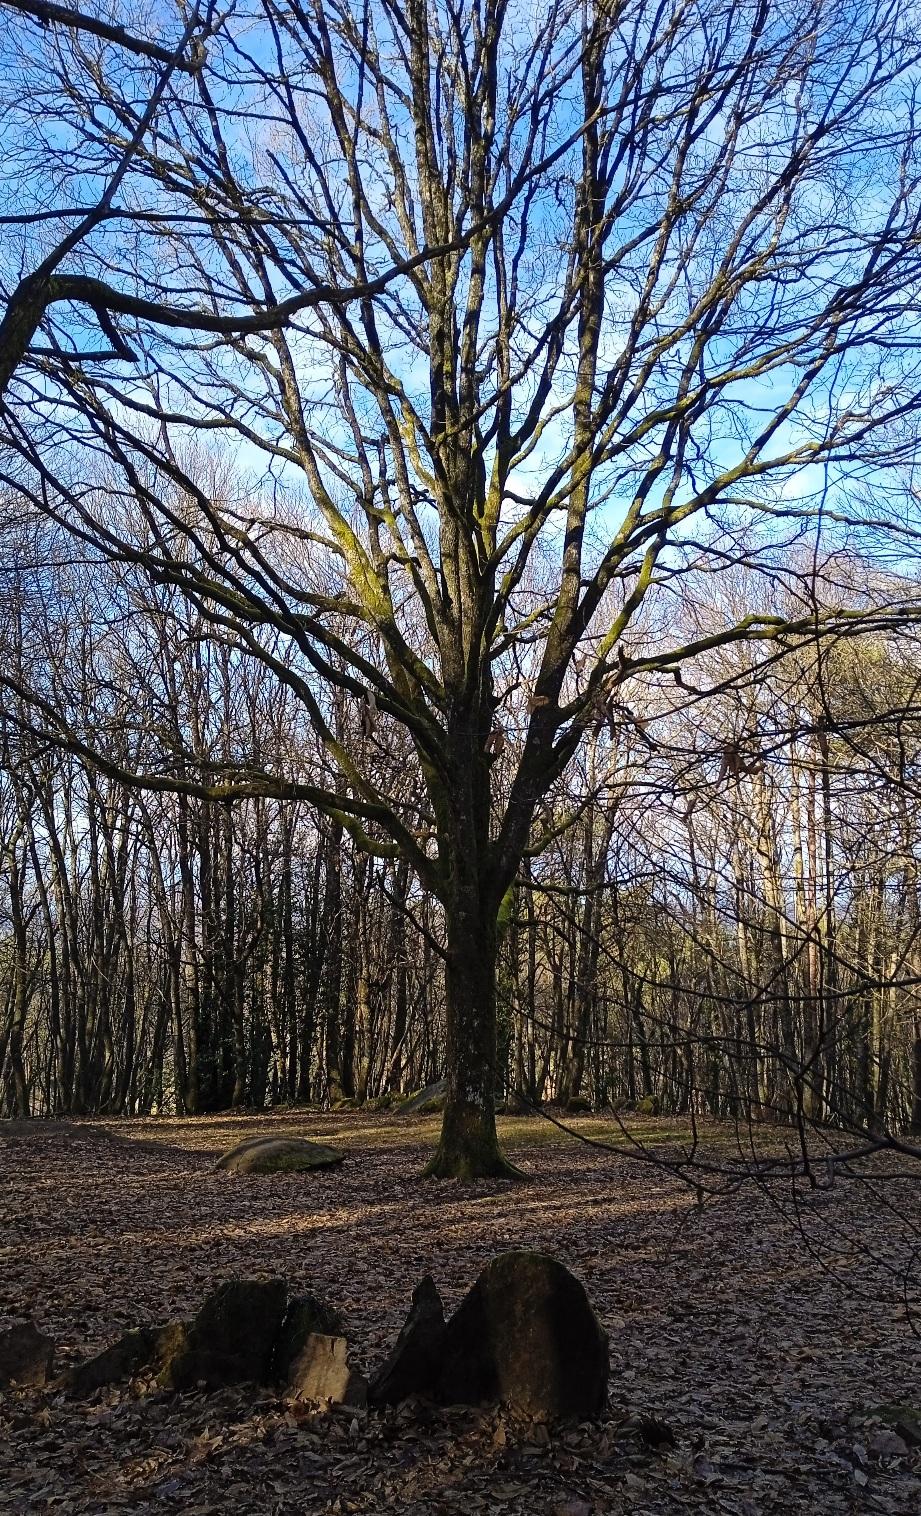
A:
(514, 1131)
(535, 1132)
(385, 1131)
(386, 1134)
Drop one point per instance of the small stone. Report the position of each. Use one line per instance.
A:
(654, 1432)
(306, 1315)
(905, 1421)
(26, 1355)
(120, 1360)
(886, 1444)
(321, 1372)
(171, 1344)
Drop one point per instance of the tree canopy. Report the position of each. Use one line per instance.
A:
(438, 344)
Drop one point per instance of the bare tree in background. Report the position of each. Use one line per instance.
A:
(629, 280)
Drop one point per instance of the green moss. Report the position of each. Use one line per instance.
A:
(286, 1163)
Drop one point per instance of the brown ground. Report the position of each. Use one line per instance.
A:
(770, 1345)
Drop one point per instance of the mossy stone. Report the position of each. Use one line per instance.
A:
(279, 1155)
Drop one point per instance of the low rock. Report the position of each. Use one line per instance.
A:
(652, 1431)
(650, 1105)
(279, 1155)
(526, 1334)
(26, 1355)
(886, 1444)
(321, 1372)
(905, 1421)
(411, 1367)
(120, 1360)
(518, 1104)
(577, 1105)
(382, 1102)
(306, 1315)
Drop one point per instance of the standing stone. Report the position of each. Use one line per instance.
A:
(26, 1355)
(526, 1334)
(244, 1332)
(132, 1353)
(230, 1341)
(411, 1367)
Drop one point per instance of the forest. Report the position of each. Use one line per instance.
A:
(727, 925)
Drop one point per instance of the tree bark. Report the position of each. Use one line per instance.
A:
(469, 1145)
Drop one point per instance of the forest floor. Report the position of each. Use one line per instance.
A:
(777, 1341)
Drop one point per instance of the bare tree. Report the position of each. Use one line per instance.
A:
(622, 275)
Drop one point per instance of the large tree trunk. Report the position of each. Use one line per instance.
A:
(332, 984)
(469, 1146)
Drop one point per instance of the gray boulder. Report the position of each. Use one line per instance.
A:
(426, 1102)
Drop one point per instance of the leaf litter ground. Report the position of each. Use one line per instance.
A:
(763, 1356)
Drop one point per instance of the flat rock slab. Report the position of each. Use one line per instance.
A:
(279, 1155)
(26, 1355)
(321, 1372)
(305, 1315)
